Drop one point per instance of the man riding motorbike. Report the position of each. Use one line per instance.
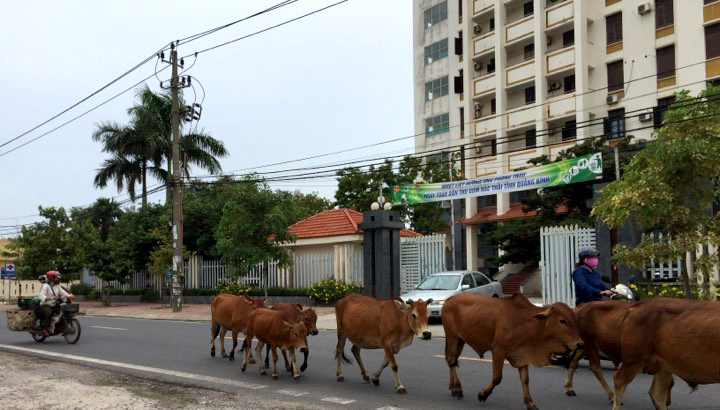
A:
(50, 294)
(589, 286)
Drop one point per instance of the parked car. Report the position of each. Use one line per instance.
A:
(443, 285)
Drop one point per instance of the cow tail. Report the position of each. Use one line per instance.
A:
(343, 357)
(693, 386)
(217, 331)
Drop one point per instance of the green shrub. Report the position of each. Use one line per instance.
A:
(200, 292)
(80, 289)
(93, 294)
(331, 290)
(671, 290)
(233, 288)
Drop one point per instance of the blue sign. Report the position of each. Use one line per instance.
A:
(7, 274)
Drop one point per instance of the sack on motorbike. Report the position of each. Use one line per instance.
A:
(20, 319)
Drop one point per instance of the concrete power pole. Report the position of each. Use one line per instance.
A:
(177, 199)
(452, 212)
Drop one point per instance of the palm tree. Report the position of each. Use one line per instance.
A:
(146, 145)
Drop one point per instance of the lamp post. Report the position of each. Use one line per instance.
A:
(615, 145)
(381, 250)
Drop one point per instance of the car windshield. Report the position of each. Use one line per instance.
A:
(440, 282)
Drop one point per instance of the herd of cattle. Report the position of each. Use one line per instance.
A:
(661, 337)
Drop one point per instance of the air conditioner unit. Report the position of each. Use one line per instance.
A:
(477, 29)
(612, 99)
(549, 41)
(478, 110)
(644, 8)
(478, 66)
(645, 117)
(555, 85)
(478, 149)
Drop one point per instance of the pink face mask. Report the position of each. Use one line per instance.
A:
(592, 262)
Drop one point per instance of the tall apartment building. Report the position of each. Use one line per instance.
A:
(504, 81)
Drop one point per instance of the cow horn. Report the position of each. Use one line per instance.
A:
(429, 301)
(409, 301)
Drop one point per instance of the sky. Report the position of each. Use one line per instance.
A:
(335, 80)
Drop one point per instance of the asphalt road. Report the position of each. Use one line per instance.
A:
(180, 352)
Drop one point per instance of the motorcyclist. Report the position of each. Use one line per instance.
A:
(589, 286)
(50, 294)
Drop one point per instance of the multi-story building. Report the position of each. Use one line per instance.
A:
(503, 81)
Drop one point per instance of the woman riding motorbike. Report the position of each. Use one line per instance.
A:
(50, 294)
(589, 286)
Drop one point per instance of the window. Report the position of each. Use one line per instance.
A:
(458, 86)
(613, 26)
(615, 76)
(460, 7)
(480, 279)
(437, 125)
(518, 196)
(436, 88)
(660, 110)
(712, 41)
(492, 24)
(435, 14)
(529, 51)
(462, 119)
(530, 138)
(436, 51)
(568, 38)
(486, 201)
(663, 13)
(665, 62)
(569, 83)
(710, 1)
(530, 95)
(615, 123)
(569, 130)
(528, 8)
(468, 280)
(492, 107)
(459, 44)
(491, 66)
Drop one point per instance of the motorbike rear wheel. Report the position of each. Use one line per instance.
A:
(72, 338)
(38, 337)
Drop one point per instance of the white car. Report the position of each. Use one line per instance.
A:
(443, 285)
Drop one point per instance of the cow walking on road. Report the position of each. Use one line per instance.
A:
(389, 324)
(295, 313)
(270, 327)
(513, 329)
(230, 312)
(667, 337)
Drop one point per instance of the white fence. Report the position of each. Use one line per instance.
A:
(420, 257)
(663, 270)
(559, 246)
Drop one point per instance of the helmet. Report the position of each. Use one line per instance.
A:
(42, 278)
(53, 275)
(588, 253)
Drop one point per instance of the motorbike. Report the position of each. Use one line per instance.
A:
(63, 321)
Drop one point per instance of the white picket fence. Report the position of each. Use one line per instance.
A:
(663, 270)
(559, 246)
(420, 257)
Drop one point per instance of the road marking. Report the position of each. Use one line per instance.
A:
(391, 408)
(479, 359)
(337, 400)
(108, 328)
(293, 393)
(155, 370)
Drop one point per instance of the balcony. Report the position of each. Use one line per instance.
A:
(520, 73)
(711, 12)
(481, 6)
(559, 14)
(521, 116)
(559, 60)
(485, 125)
(561, 106)
(484, 85)
(484, 44)
(519, 29)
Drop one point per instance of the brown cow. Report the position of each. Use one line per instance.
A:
(229, 312)
(270, 327)
(511, 328)
(388, 324)
(599, 325)
(295, 313)
(669, 336)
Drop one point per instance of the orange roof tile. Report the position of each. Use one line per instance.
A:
(334, 222)
(489, 214)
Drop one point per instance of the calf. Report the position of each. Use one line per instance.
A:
(511, 328)
(665, 337)
(378, 324)
(269, 327)
(230, 312)
(295, 313)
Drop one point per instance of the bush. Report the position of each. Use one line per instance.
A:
(645, 291)
(331, 290)
(93, 294)
(280, 292)
(200, 292)
(80, 289)
(233, 288)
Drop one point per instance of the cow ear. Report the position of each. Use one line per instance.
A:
(287, 324)
(542, 316)
(299, 306)
(409, 302)
(248, 300)
(403, 307)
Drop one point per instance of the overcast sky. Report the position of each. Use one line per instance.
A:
(335, 80)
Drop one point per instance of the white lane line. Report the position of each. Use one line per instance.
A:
(391, 408)
(155, 370)
(293, 393)
(108, 328)
(337, 400)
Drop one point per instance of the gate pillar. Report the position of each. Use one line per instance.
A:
(381, 253)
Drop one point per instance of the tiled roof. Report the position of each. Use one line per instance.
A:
(334, 222)
(489, 214)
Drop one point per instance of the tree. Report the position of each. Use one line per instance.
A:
(671, 186)
(254, 227)
(102, 215)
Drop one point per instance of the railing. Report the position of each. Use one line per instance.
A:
(420, 257)
(480, 6)
(484, 126)
(560, 13)
(521, 116)
(484, 43)
(560, 59)
(520, 72)
(519, 29)
(483, 85)
(561, 106)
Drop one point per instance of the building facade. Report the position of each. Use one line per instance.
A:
(503, 81)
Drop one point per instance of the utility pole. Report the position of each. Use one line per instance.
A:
(452, 213)
(177, 199)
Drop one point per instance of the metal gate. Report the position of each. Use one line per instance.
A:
(420, 257)
(559, 246)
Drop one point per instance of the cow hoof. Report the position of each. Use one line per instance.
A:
(288, 369)
(232, 358)
(402, 390)
(341, 379)
(571, 393)
(275, 377)
(212, 353)
(457, 394)
(303, 368)
(263, 373)
(482, 397)
(252, 361)
(533, 407)
(297, 378)
(224, 355)
(376, 382)
(366, 377)
(243, 369)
